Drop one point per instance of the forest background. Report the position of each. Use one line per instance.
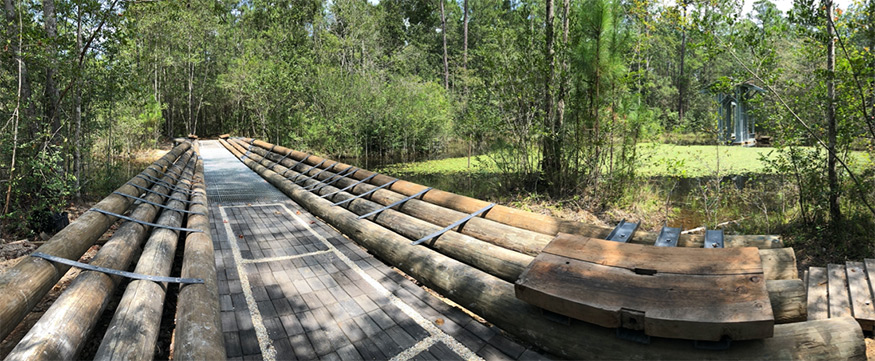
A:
(586, 109)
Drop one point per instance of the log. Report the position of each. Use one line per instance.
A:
(61, 332)
(495, 261)
(789, 300)
(493, 299)
(24, 285)
(501, 262)
(778, 263)
(133, 331)
(523, 219)
(198, 334)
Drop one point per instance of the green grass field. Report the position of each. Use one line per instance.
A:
(654, 160)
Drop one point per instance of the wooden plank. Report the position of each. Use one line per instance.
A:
(661, 259)
(818, 299)
(699, 307)
(861, 295)
(788, 300)
(839, 302)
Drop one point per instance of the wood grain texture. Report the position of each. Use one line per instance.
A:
(818, 291)
(789, 300)
(861, 295)
(839, 301)
(494, 299)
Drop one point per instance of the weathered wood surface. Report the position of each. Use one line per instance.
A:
(861, 295)
(706, 294)
(24, 285)
(842, 291)
(789, 299)
(818, 301)
(500, 262)
(61, 332)
(522, 219)
(839, 302)
(133, 331)
(198, 334)
(778, 263)
(493, 299)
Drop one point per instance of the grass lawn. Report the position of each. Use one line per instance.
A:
(654, 160)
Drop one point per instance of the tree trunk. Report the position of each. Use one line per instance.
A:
(681, 81)
(444, 35)
(51, 106)
(77, 109)
(834, 211)
(550, 157)
(465, 39)
(13, 32)
(559, 120)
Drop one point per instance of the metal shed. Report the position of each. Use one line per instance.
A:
(735, 125)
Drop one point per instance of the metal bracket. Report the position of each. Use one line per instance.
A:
(454, 225)
(349, 186)
(156, 225)
(714, 238)
(283, 174)
(166, 195)
(623, 232)
(317, 174)
(396, 203)
(668, 237)
(307, 170)
(330, 180)
(132, 275)
(158, 204)
(633, 335)
(365, 193)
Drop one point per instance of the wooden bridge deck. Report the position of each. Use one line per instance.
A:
(842, 291)
(292, 287)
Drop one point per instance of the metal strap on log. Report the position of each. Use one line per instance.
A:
(156, 204)
(307, 170)
(163, 195)
(316, 175)
(116, 272)
(396, 203)
(156, 225)
(365, 193)
(165, 184)
(714, 238)
(344, 189)
(251, 143)
(280, 160)
(330, 180)
(454, 225)
(623, 232)
(283, 174)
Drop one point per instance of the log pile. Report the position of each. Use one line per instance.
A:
(160, 199)
(475, 265)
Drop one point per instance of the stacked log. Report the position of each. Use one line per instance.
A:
(24, 285)
(493, 298)
(178, 193)
(61, 331)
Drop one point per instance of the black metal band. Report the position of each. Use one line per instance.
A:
(156, 225)
(174, 176)
(349, 186)
(283, 174)
(454, 225)
(405, 199)
(131, 275)
(366, 193)
(164, 184)
(165, 195)
(278, 162)
(328, 181)
(158, 204)
(317, 174)
(308, 169)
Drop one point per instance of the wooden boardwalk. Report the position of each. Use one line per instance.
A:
(842, 291)
(292, 287)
